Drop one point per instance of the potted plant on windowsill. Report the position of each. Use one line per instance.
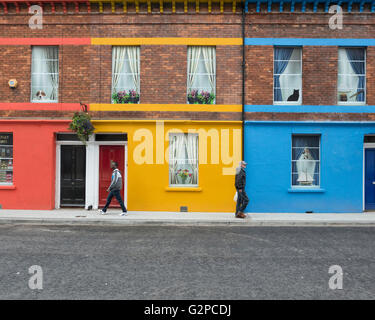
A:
(125, 97)
(204, 97)
(184, 174)
(81, 125)
(193, 97)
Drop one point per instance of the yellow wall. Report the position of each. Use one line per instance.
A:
(148, 183)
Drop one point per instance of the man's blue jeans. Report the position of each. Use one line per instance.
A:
(111, 194)
(242, 201)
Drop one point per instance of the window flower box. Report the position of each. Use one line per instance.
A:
(125, 97)
(204, 97)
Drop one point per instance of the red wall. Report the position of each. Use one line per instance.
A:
(34, 164)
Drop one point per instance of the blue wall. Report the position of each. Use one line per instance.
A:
(268, 154)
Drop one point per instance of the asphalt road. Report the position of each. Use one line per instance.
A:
(186, 262)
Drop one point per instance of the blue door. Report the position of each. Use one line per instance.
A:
(369, 179)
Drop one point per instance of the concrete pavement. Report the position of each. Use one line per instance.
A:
(92, 217)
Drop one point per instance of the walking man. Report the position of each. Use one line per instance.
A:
(242, 198)
(114, 190)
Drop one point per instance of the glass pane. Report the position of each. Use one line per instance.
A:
(6, 158)
(125, 83)
(294, 67)
(305, 141)
(304, 179)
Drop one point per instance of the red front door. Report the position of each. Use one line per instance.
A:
(106, 155)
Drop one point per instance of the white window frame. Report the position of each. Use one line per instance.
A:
(315, 186)
(353, 103)
(171, 135)
(123, 73)
(32, 98)
(273, 79)
(200, 74)
(4, 183)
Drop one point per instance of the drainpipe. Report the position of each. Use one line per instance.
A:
(243, 79)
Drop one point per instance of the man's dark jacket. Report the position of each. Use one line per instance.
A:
(240, 180)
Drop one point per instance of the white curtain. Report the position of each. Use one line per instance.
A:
(45, 73)
(194, 54)
(291, 79)
(192, 153)
(52, 61)
(209, 56)
(134, 64)
(118, 60)
(125, 68)
(347, 82)
(306, 168)
(177, 155)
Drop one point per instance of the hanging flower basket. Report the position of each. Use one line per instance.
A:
(82, 126)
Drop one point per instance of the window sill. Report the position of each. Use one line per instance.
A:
(308, 190)
(340, 103)
(287, 103)
(183, 189)
(7, 187)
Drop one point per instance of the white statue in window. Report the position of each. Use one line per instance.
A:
(306, 168)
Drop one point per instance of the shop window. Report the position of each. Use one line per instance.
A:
(6, 158)
(183, 159)
(125, 74)
(305, 160)
(44, 74)
(201, 82)
(287, 75)
(351, 83)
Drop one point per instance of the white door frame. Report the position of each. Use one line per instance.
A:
(92, 170)
(368, 145)
(58, 170)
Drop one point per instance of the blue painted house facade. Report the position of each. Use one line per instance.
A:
(309, 129)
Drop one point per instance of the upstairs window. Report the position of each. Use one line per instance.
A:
(351, 84)
(201, 82)
(44, 74)
(125, 74)
(287, 75)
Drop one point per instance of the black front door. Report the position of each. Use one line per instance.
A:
(73, 175)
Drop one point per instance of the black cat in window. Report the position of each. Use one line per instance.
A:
(294, 96)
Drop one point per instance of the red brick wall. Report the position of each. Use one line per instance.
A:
(259, 75)
(15, 63)
(85, 71)
(319, 75)
(370, 76)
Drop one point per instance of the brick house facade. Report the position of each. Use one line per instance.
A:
(86, 31)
